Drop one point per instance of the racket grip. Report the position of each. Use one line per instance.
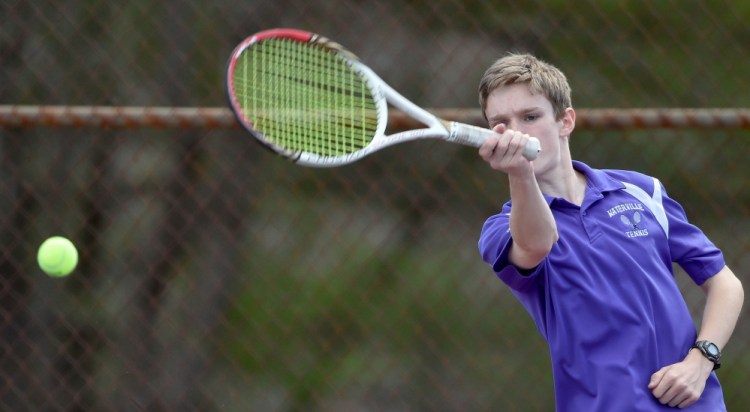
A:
(475, 136)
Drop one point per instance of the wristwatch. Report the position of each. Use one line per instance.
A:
(710, 351)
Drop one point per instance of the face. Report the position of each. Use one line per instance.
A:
(518, 109)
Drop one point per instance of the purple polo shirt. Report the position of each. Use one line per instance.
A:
(605, 298)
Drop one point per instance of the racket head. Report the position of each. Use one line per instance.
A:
(305, 97)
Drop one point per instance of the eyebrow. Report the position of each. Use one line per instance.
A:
(525, 110)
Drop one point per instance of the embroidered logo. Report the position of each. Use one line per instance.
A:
(632, 223)
(624, 208)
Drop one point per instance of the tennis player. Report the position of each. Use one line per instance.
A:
(589, 254)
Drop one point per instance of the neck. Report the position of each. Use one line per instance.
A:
(564, 182)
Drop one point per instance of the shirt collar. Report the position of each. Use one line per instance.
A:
(597, 181)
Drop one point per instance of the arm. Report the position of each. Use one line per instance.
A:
(681, 384)
(531, 222)
(724, 298)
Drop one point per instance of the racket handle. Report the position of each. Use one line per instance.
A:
(475, 136)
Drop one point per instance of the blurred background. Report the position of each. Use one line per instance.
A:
(215, 276)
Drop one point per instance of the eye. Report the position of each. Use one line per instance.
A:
(531, 117)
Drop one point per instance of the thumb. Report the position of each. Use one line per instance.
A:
(500, 128)
(656, 378)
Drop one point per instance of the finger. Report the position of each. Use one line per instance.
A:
(501, 149)
(666, 399)
(488, 148)
(656, 378)
(661, 390)
(522, 142)
(671, 397)
(689, 400)
(677, 393)
(679, 398)
(500, 128)
(516, 143)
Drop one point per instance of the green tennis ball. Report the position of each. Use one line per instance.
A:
(57, 256)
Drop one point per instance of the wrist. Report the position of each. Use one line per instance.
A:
(695, 356)
(708, 351)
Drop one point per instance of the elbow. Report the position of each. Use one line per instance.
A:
(533, 244)
(554, 239)
(726, 286)
(530, 255)
(542, 251)
(740, 290)
(544, 245)
(736, 287)
(536, 241)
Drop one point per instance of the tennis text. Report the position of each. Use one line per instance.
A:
(637, 233)
(624, 208)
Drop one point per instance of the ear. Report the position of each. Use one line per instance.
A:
(568, 122)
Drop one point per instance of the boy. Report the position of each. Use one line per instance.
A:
(589, 254)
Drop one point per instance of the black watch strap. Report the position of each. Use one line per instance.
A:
(710, 351)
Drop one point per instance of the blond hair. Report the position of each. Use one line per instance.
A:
(541, 77)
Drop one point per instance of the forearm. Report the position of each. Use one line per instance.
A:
(532, 224)
(724, 299)
(682, 383)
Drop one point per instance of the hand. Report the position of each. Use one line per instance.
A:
(505, 152)
(682, 383)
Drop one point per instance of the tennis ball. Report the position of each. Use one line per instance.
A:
(57, 256)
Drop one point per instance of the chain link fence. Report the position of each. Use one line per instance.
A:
(216, 277)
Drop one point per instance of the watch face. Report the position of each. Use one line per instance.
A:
(712, 349)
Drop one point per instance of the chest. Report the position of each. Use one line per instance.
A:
(614, 220)
(615, 240)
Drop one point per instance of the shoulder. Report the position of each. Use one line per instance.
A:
(641, 180)
(501, 217)
(608, 180)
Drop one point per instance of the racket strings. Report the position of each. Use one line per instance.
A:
(303, 97)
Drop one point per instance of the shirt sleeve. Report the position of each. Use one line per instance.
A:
(495, 241)
(689, 246)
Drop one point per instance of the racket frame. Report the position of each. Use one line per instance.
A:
(383, 95)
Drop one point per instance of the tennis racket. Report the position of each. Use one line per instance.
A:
(312, 101)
